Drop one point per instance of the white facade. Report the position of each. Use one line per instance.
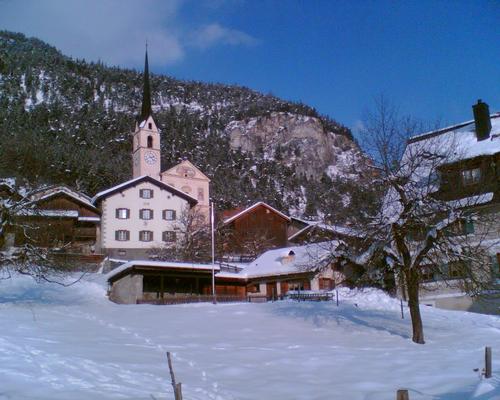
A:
(132, 222)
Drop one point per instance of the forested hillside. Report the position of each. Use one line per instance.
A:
(69, 121)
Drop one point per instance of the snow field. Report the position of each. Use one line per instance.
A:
(72, 343)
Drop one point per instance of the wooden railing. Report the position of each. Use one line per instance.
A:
(193, 298)
(326, 296)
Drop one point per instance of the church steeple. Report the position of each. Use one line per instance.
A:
(146, 141)
(146, 94)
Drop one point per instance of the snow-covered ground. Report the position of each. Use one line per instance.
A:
(72, 343)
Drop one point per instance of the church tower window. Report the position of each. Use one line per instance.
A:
(150, 142)
(150, 126)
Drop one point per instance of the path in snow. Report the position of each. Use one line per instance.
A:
(61, 343)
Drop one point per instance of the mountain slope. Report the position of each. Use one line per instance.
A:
(69, 121)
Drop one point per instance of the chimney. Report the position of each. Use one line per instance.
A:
(482, 120)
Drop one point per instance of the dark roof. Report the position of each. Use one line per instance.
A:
(135, 181)
(146, 93)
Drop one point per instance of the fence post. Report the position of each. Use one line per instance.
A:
(487, 362)
(402, 394)
(178, 391)
(176, 386)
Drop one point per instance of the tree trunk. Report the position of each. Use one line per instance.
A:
(412, 282)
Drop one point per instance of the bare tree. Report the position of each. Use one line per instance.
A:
(190, 241)
(19, 250)
(417, 231)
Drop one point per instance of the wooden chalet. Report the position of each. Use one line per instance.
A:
(248, 232)
(63, 219)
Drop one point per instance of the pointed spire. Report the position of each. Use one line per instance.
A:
(146, 94)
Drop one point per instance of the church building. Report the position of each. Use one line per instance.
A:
(146, 211)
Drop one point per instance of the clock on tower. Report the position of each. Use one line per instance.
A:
(146, 141)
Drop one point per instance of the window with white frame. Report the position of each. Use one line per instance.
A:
(145, 236)
(122, 213)
(122, 235)
(169, 236)
(169, 215)
(146, 213)
(471, 176)
(146, 193)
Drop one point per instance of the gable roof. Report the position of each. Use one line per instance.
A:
(47, 193)
(171, 170)
(140, 179)
(253, 207)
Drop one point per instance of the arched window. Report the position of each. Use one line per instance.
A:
(150, 142)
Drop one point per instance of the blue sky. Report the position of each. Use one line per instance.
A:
(433, 59)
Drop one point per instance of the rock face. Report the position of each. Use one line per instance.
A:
(299, 140)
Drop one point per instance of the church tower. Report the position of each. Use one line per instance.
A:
(146, 145)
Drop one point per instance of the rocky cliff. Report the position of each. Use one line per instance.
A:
(300, 141)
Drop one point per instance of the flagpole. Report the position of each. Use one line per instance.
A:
(212, 226)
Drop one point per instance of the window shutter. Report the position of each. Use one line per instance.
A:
(152, 215)
(151, 192)
(127, 213)
(469, 226)
(164, 214)
(116, 235)
(173, 215)
(117, 213)
(127, 235)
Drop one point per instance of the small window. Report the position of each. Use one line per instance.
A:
(122, 213)
(426, 273)
(471, 176)
(122, 235)
(146, 213)
(146, 193)
(150, 125)
(464, 226)
(150, 142)
(456, 270)
(169, 236)
(145, 236)
(169, 215)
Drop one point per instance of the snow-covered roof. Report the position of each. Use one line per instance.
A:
(47, 193)
(425, 154)
(290, 260)
(342, 230)
(253, 207)
(458, 142)
(160, 265)
(132, 182)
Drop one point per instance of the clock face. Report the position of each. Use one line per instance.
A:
(150, 158)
